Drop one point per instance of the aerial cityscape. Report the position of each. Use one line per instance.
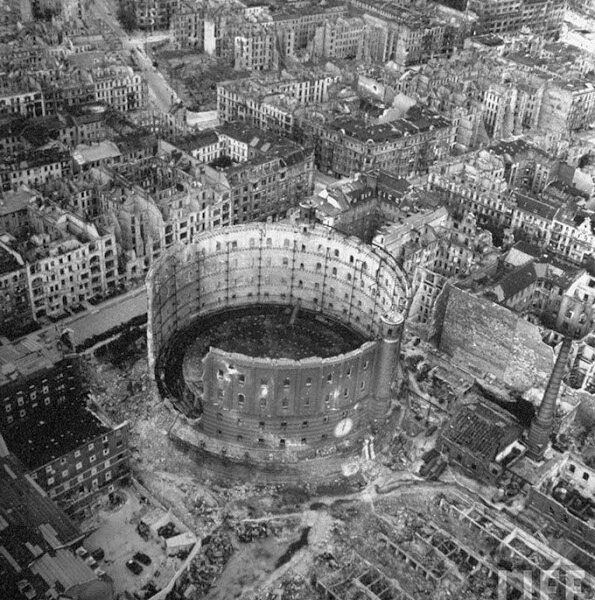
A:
(297, 299)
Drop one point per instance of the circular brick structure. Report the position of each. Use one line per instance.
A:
(281, 341)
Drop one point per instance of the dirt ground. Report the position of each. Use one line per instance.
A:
(248, 569)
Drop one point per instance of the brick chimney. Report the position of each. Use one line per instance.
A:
(543, 422)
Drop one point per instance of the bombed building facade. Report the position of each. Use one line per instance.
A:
(295, 387)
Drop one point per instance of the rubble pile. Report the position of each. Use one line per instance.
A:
(195, 76)
(123, 393)
(248, 531)
(290, 588)
(399, 454)
(196, 582)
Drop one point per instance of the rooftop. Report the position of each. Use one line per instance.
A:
(254, 137)
(511, 149)
(483, 429)
(15, 200)
(392, 184)
(8, 262)
(195, 141)
(42, 130)
(34, 158)
(417, 120)
(517, 280)
(11, 125)
(53, 432)
(491, 40)
(30, 523)
(28, 355)
(541, 207)
(105, 150)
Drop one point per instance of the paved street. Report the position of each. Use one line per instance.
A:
(160, 93)
(104, 316)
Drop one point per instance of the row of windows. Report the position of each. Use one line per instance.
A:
(585, 476)
(32, 396)
(263, 402)
(66, 486)
(283, 424)
(287, 381)
(282, 442)
(79, 466)
(23, 412)
(90, 447)
(287, 244)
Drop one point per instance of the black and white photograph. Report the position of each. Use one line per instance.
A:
(297, 299)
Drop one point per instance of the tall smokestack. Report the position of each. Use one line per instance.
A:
(543, 423)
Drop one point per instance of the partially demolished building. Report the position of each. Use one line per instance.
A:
(226, 338)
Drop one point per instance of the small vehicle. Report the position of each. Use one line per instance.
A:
(91, 561)
(168, 530)
(100, 573)
(98, 554)
(133, 566)
(141, 557)
(143, 530)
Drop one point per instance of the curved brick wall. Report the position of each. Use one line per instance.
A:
(266, 409)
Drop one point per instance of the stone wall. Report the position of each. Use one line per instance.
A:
(310, 266)
(287, 403)
(488, 339)
(580, 532)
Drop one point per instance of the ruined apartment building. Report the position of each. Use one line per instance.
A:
(211, 28)
(544, 217)
(268, 103)
(268, 176)
(69, 261)
(362, 204)
(34, 167)
(434, 250)
(152, 15)
(118, 86)
(564, 499)
(255, 51)
(29, 103)
(411, 35)
(87, 124)
(505, 16)
(15, 308)
(68, 10)
(253, 175)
